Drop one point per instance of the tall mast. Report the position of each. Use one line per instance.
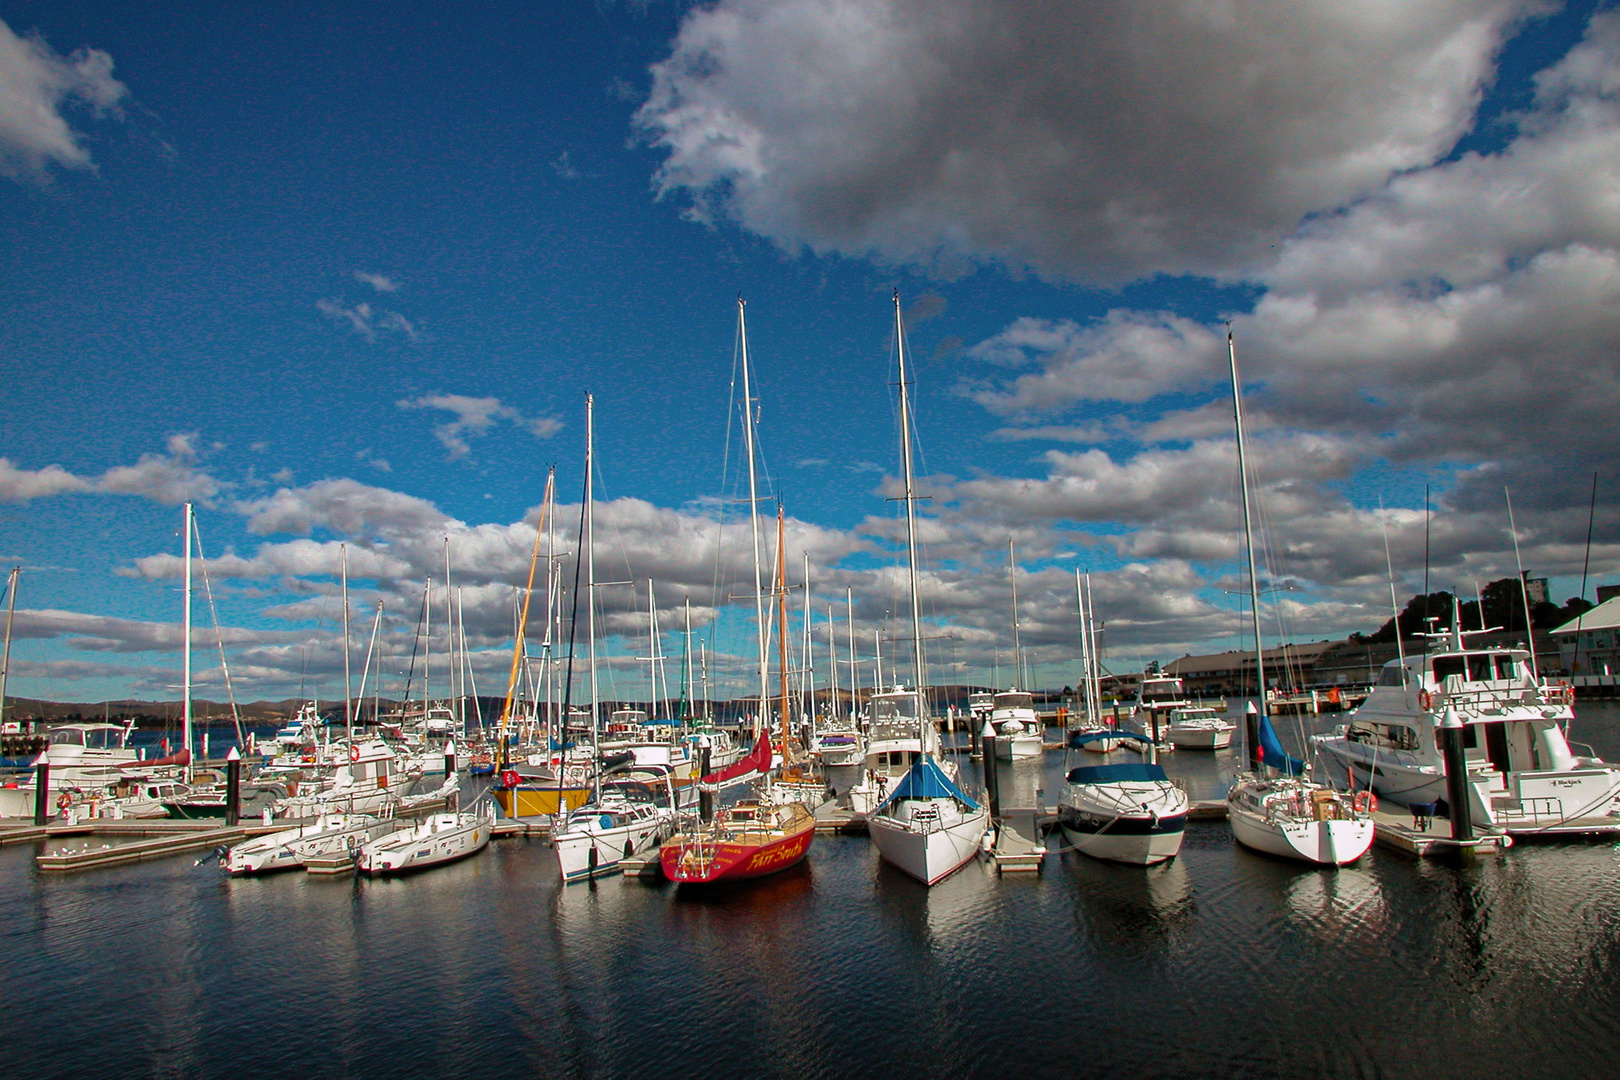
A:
(523, 614)
(753, 507)
(11, 611)
(854, 661)
(348, 683)
(450, 634)
(590, 576)
(185, 652)
(781, 608)
(1094, 661)
(1248, 526)
(919, 672)
(832, 662)
(807, 680)
(1085, 642)
(1018, 646)
(687, 688)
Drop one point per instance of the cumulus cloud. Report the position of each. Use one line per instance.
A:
(36, 85)
(377, 281)
(1101, 141)
(476, 416)
(20, 485)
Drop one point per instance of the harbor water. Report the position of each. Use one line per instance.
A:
(1219, 963)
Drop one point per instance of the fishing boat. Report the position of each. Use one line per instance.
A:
(439, 839)
(1198, 727)
(1524, 775)
(1128, 811)
(1291, 816)
(927, 826)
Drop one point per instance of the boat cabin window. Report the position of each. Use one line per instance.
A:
(1384, 736)
(889, 708)
(1392, 675)
(67, 737)
(1479, 668)
(1447, 666)
(1015, 701)
(1507, 666)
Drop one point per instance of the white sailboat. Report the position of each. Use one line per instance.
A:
(1287, 816)
(927, 826)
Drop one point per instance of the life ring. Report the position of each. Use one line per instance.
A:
(510, 779)
(1365, 802)
(1425, 700)
(63, 801)
(354, 753)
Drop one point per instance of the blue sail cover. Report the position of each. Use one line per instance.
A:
(1272, 753)
(926, 780)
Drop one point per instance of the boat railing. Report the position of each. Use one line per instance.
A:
(1477, 700)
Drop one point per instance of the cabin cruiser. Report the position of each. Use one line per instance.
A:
(1524, 775)
(1158, 697)
(629, 815)
(895, 734)
(1198, 727)
(1017, 726)
(1129, 812)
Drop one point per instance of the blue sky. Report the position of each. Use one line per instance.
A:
(345, 276)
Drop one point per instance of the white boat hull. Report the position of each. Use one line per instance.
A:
(442, 838)
(1326, 843)
(585, 852)
(929, 854)
(1201, 738)
(1139, 849)
(1019, 747)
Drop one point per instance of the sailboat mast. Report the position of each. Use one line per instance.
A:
(11, 611)
(1094, 660)
(920, 674)
(1085, 641)
(185, 652)
(753, 507)
(523, 614)
(590, 581)
(457, 688)
(781, 608)
(854, 662)
(1248, 527)
(348, 682)
(807, 678)
(1018, 646)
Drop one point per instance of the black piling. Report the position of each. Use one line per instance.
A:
(450, 758)
(233, 788)
(992, 782)
(42, 793)
(1450, 732)
(1251, 736)
(705, 798)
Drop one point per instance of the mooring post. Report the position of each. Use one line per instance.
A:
(233, 788)
(1251, 737)
(1450, 731)
(450, 759)
(992, 783)
(42, 793)
(705, 798)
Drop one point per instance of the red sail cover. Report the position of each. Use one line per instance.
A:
(757, 761)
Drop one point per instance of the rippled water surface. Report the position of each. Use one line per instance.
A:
(1220, 963)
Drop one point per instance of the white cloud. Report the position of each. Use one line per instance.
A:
(475, 416)
(171, 478)
(1100, 141)
(377, 281)
(20, 485)
(368, 321)
(36, 84)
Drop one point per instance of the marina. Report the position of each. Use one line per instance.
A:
(496, 949)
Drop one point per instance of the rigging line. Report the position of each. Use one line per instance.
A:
(219, 638)
(1586, 564)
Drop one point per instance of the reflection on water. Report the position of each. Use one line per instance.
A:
(1395, 967)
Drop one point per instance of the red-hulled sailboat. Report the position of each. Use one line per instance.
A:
(753, 837)
(747, 839)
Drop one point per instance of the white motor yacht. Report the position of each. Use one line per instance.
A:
(1524, 775)
(1018, 727)
(1197, 727)
(895, 734)
(626, 818)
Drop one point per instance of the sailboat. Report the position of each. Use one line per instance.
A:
(927, 826)
(750, 838)
(620, 820)
(1288, 815)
